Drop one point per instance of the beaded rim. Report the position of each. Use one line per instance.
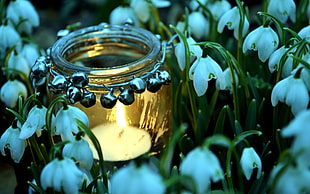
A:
(75, 87)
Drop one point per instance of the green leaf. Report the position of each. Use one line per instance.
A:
(219, 126)
(219, 140)
(251, 115)
(244, 135)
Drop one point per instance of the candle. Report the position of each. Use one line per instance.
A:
(120, 143)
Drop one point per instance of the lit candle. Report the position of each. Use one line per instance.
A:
(121, 143)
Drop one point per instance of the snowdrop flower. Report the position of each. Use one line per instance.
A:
(262, 39)
(22, 14)
(299, 128)
(142, 7)
(293, 180)
(274, 61)
(291, 91)
(122, 14)
(30, 52)
(282, 9)
(250, 160)
(305, 33)
(198, 25)
(195, 51)
(8, 38)
(203, 70)
(10, 139)
(11, 90)
(218, 8)
(62, 175)
(65, 121)
(79, 150)
(231, 19)
(34, 122)
(226, 84)
(194, 5)
(203, 166)
(134, 179)
(19, 63)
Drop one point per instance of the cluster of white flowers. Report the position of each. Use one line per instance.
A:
(21, 18)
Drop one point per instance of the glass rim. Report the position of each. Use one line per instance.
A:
(102, 31)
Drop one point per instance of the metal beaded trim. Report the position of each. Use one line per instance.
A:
(75, 86)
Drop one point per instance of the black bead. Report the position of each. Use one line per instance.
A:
(153, 84)
(39, 71)
(126, 97)
(138, 85)
(79, 79)
(89, 99)
(74, 94)
(58, 84)
(108, 100)
(164, 77)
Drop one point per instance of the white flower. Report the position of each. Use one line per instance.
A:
(198, 25)
(305, 33)
(65, 121)
(250, 160)
(19, 63)
(30, 52)
(282, 9)
(195, 51)
(274, 61)
(203, 166)
(35, 122)
(122, 14)
(79, 150)
(292, 180)
(10, 139)
(262, 39)
(62, 175)
(231, 19)
(226, 84)
(22, 14)
(291, 91)
(299, 128)
(11, 90)
(218, 8)
(202, 71)
(142, 7)
(8, 38)
(134, 179)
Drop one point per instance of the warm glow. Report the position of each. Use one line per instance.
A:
(120, 115)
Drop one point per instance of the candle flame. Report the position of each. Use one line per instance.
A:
(120, 115)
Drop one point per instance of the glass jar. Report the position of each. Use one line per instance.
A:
(112, 56)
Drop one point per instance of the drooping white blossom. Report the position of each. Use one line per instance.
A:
(8, 38)
(62, 175)
(198, 25)
(10, 92)
(35, 122)
(10, 139)
(282, 9)
(262, 39)
(123, 14)
(23, 15)
(202, 71)
(291, 91)
(231, 19)
(202, 166)
(299, 129)
(249, 161)
(292, 180)
(218, 8)
(65, 121)
(79, 150)
(227, 84)
(133, 179)
(195, 51)
(19, 63)
(31, 52)
(275, 59)
(305, 33)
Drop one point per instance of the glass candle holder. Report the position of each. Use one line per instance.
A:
(120, 61)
